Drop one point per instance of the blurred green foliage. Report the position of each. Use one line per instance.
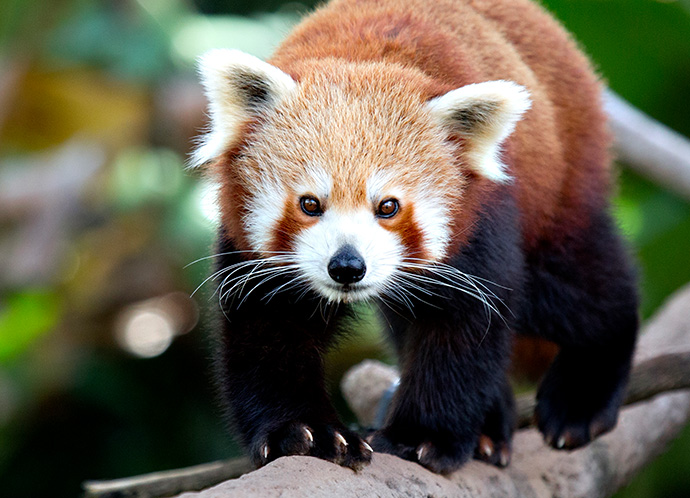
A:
(640, 47)
(74, 404)
(24, 318)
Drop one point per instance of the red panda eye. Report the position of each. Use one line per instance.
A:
(310, 205)
(388, 208)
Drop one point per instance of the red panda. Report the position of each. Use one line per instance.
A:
(449, 161)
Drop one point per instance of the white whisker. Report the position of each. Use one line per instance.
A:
(266, 279)
(421, 276)
(390, 307)
(228, 253)
(290, 284)
(268, 273)
(238, 275)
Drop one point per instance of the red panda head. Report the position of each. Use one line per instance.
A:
(348, 175)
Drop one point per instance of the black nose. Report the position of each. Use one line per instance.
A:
(347, 266)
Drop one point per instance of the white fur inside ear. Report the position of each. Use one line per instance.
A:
(485, 114)
(238, 86)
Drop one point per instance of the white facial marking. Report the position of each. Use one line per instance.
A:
(381, 250)
(265, 209)
(431, 212)
(432, 217)
(378, 186)
(316, 182)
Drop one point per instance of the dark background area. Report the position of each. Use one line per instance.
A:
(103, 370)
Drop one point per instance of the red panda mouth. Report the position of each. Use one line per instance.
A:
(345, 288)
(349, 293)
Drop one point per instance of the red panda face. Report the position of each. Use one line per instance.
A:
(352, 182)
(347, 176)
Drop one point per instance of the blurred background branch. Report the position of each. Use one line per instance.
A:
(648, 147)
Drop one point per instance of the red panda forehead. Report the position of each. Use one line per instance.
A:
(341, 134)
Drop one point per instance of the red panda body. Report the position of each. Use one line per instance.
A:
(448, 159)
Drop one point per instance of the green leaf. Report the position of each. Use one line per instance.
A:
(24, 317)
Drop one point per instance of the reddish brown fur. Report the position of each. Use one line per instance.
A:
(531, 357)
(558, 153)
(232, 197)
(233, 194)
(292, 222)
(405, 226)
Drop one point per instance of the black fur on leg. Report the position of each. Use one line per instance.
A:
(581, 294)
(454, 353)
(268, 358)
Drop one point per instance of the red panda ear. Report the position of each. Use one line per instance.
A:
(238, 86)
(484, 114)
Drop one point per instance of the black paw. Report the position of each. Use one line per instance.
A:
(494, 451)
(568, 427)
(335, 444)
(572, 412)
(440, 456)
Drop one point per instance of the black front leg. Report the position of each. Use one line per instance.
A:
(449, 381)
(581, 294)
(454, 350)
(269, 368)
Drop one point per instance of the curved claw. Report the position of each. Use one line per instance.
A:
(308, 433)
(341, 439)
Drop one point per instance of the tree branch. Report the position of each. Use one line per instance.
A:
(170, 482)
(598, 469)
(648, 147)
